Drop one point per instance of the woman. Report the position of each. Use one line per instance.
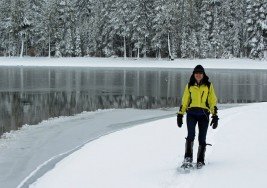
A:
(199, 100)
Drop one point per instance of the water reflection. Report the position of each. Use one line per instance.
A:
(29, 95)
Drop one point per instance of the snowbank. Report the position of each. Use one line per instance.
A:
(133, 63)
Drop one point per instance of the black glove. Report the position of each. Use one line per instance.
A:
(179, 120)
(214, 121)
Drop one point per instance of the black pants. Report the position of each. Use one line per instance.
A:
(201, 117)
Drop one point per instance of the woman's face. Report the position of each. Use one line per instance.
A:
(198, 76)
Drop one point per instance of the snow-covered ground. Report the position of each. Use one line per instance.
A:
(133, 63)
(147, 156)
(33, 150)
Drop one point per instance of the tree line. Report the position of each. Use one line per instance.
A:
(134, 28)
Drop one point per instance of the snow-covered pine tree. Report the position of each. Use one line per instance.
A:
(184, 29)
(5, 28)
(164, 26)
(256, 17)
(121, 21)
(24, 24)
(223, 13)
(36, 14)
(217, 33)
(59, 26)
(48, 27)
(189, 46)
(77, 51)
(144, 12)
(18, 30)
(101, 33)
(75, 26)
(159, 25)
(86, 26)
(205, 22)
(238, 10)
(68, 43)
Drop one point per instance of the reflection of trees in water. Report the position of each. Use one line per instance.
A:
(33, 108)
(30, 95)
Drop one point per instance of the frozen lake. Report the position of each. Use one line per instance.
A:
(32, 94)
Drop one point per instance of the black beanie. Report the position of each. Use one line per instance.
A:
(199, 68)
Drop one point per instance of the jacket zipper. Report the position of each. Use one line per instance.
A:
(202, 95)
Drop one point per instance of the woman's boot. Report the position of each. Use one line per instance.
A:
(201, 156)
(188, 157)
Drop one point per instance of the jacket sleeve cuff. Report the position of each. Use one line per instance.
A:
(214, 111)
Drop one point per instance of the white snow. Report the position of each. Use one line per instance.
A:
(135, 63)
(36, 148)
(147, 156)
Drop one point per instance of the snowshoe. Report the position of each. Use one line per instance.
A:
(200, 165)
(187, 163)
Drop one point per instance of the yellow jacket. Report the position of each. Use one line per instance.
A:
(199, 96)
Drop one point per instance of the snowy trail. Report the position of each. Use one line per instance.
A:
(148, 155)
(240, 153)
(33, 150)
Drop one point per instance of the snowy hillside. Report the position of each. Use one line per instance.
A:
(147, 156)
